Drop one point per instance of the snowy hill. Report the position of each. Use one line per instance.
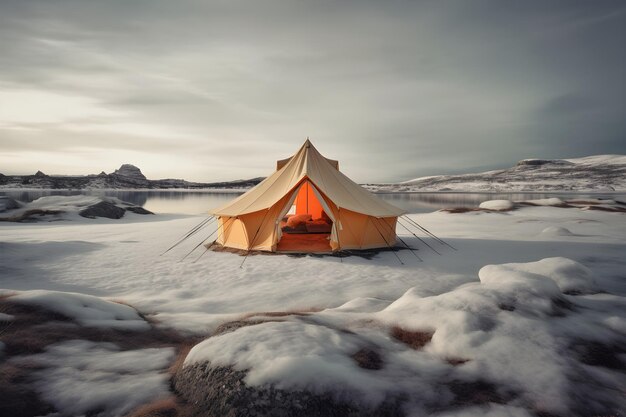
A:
(604, 173)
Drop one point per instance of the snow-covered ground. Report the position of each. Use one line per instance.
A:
(513, 306)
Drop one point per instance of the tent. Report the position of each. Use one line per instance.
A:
(307, 205)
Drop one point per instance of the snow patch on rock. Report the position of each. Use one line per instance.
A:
(85, 309)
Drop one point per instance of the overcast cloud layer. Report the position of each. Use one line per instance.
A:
(218, 90)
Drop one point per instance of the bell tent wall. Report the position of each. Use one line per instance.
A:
(360, 220)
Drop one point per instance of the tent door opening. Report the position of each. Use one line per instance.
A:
(306, 227)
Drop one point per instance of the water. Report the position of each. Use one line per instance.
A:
(199, 202)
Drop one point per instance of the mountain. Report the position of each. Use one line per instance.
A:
(600, 173)
(126, 177)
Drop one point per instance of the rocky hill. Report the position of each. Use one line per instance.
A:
(601, 173)
(126, 177)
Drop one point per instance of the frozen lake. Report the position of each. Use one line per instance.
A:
(200, 201)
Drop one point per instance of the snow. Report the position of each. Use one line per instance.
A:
(85, 309)
(556, 231)
(600, 160)
(80, 376)
(546, 201)
(497, 205)
(512, 301)
(506, 325)
(69, 206)
(6, 317)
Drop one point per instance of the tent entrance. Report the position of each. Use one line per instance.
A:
(306, 227)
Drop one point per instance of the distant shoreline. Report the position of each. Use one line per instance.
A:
(243, 190)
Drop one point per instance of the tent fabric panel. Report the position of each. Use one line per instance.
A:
(281, 163)
(267, 192)
(308, 162)
(358, 231)
(345, 192)
(350, 226)
(266, 233)
(307, 202)
(232, 233)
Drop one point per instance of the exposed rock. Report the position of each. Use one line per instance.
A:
(126, 177)
(103, 209)
(138, 210)
(368, 359)
(130, 171)
(222, 392)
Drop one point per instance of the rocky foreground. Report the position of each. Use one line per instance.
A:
(55, 208)
(126, 177)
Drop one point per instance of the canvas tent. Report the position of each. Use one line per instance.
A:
(307, 205)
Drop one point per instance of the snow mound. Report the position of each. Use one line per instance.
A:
(497, 205)
(85, 309)
(546, 202)
(363, 305)
(557, 231)
(81, 377)
(62, 202)
(293, 355)
(568, 275)
(502, 330)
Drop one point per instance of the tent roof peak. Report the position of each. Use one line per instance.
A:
(321, 171)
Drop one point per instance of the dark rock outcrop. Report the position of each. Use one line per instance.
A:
(215, 391)
(138, 210)
(130, 171)
(103, 209)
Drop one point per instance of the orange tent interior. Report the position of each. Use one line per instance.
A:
(306, 228)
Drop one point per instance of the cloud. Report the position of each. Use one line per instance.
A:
(394, 90)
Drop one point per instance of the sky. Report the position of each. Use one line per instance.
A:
(218, 90)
